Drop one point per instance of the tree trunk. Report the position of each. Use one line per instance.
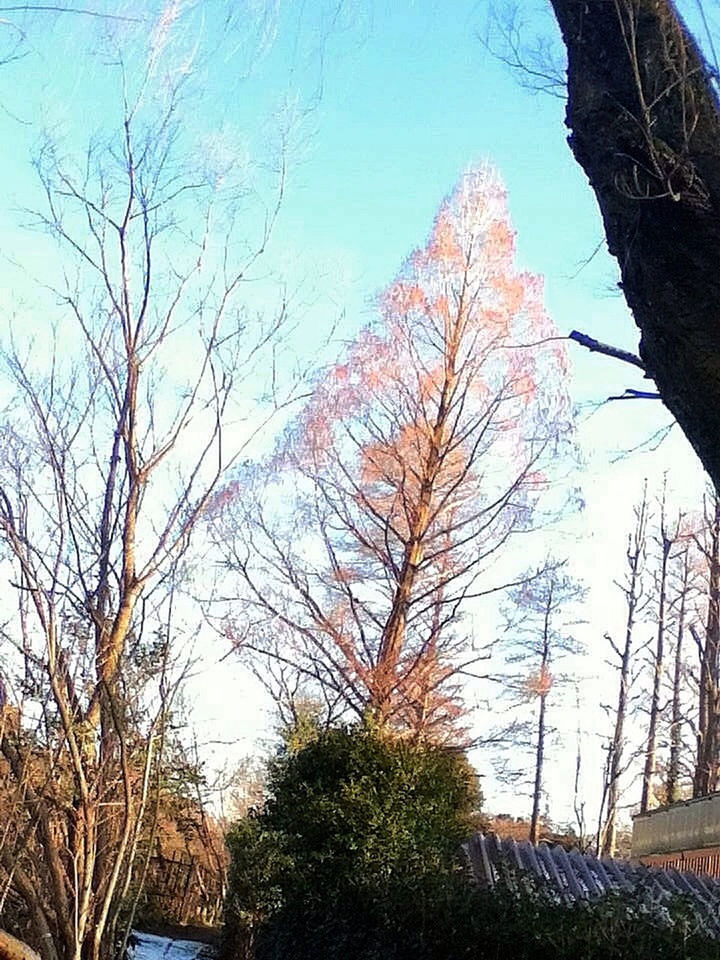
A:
(609, 833)
(393, 635)
(651, 748)
(705, 778)
(539, 760)
(635, 555)
(646, 129)
(13, 949)
(544, 686)
(673, 778)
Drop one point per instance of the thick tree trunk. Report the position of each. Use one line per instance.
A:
(646, 129)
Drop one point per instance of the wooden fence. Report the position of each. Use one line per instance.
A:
(705, 861)
(183, 891)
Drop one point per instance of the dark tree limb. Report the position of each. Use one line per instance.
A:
(596, 347)
(645, 127)
(631, 394)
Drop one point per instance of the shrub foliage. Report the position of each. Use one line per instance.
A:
(355, 857)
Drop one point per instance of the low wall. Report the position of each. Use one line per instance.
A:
(705, 860)
(683, 827)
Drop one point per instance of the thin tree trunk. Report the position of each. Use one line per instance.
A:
(616, 747)
(651, 748)
(673, 778)
(393, 635)
(544, 678)
(539, 761)
(705, 778)
(636, 549)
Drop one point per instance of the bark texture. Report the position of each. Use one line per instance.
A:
(645, 127)
(708, 724)
(13, 949)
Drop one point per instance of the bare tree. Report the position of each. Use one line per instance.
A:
(685, 589)
(538, 638)
(16, 23)
(666, 539)
(632, 588)
(708, 646)
(113, 444)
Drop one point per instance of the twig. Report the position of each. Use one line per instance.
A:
(56, 8)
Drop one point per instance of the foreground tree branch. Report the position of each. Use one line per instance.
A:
(13, 949)
(645, 127)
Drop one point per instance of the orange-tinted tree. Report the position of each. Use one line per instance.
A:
(417, 458)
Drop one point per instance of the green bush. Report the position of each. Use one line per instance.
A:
(446, 918)
(257, 866)
(354, 819)
(355, 857)
(503, 924)
(355, 808)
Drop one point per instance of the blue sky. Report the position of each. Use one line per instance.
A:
(393, 100)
